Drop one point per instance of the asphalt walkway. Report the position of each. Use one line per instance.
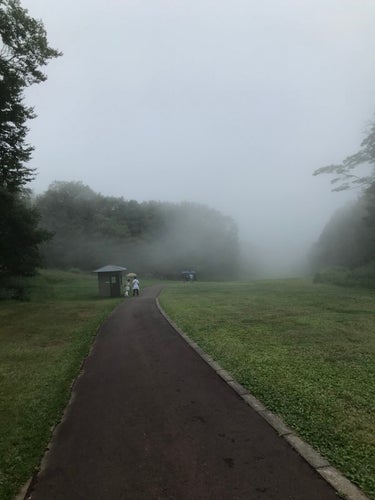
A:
(150, 420)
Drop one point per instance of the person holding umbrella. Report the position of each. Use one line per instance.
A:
(135, 286)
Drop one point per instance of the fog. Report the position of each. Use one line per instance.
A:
(232, 104)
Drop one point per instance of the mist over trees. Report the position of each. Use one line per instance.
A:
(23, 51)
(346, 175)
(154, 238)
(348, 239)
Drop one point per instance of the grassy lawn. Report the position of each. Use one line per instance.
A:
(42, 344)
(307, 351)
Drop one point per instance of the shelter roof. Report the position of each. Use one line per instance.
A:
(109, 269)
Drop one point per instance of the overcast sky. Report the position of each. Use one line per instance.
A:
(231, 103)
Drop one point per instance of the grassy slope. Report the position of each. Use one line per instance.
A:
(307, 351)
(42, 345)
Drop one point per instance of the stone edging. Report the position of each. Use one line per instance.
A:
(339, 482)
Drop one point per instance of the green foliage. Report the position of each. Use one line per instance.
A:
(369, 206)
(363, 276)
(24, 49)
(20, 237)
(153, 238)
(307, 351)
(345, 177)
(42, 345)
(348, 239)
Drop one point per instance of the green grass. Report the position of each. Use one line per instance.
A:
(307, 351)
(42, 344)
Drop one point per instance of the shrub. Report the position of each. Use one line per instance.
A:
(363, 276)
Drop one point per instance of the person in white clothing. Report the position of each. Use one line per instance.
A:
(135, 286)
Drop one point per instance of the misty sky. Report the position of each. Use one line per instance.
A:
(231, 103)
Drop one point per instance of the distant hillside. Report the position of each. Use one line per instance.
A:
(155, 238)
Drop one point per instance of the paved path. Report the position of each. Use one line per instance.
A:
(150, 420)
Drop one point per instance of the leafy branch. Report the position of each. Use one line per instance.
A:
(345, 178)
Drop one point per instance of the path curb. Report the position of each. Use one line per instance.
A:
(340, 483)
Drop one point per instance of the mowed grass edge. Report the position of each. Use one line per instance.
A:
(42, 345)
(307, 351)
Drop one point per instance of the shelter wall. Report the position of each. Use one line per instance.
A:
(110, 284)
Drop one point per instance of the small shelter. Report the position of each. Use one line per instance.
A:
(110, 280)
(189, 275)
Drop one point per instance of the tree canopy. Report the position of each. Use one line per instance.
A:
(161, 239)
(24, 50)
(345, 175)
(348, 239)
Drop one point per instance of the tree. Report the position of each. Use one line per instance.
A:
(154, 237)
(346, 240)
(19, 231)
(337, 247)
(23, 50)
(344, 172)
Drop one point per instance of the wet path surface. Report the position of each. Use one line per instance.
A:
(149, 419)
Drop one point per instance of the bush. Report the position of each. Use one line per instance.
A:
(363, 276)
(12, 288)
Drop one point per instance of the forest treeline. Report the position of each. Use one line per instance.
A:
(89, 230)
(348, 239)
(70, 226)
(345, 251)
